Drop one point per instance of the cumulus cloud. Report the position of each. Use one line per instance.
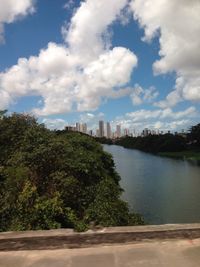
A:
(178, 27)
(140, 95)
(163, 119)
(161, 113)
(12, 10)
(89, 25)
(58, 124)
(81, 72)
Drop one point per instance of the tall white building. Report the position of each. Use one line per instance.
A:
(101, 128)
(118, 131)
(78, 128)
(97, 132)
(109, 132)
(84, 127)
(146, 132)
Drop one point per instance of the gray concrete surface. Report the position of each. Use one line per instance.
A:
(66, 238)
(143, 246)
(168, 253)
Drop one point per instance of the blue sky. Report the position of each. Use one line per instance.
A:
(127, 61)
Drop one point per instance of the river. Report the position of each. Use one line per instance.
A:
(163, 190)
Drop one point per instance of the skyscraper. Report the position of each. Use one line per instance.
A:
(97, 132)
(118, 131)
(78, 128)
(84, 127)
(126, 132)
(101, 128)
(109, 133)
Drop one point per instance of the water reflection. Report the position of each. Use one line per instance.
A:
(163, 190)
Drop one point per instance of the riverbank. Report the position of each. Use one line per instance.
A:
(189, 155)
(184, 155)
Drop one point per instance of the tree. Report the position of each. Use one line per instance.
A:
(55, 179)
(194, 134)
(2, 113)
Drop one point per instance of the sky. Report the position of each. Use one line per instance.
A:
(131, 62)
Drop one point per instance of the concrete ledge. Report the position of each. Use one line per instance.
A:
(67, 238)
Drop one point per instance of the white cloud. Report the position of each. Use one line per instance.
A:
(69, 4)
(140, 95)
(58, 124)
(163, 119)
(78, 74)
(89, 25)
(11, 10)
(178, 27)
(144, 115)
(176, 125)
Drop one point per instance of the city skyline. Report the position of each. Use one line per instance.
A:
(121, 61)
(106, 129)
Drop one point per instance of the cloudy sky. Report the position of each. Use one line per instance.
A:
(133, 62)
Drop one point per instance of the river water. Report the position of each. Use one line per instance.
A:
(163, 190)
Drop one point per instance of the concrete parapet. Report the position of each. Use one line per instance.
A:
(67, 238)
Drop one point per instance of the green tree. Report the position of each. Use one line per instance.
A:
(56, 179)
(194, 134)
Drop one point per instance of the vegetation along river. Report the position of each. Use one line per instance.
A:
(163, 190)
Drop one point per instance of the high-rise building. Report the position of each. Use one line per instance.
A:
(90, 132)
(101, 128)
(81, 127)
(118, 131)
(78, 128)
(108, 128)
(84, 127)
(97, 132)
(70, 128)
(146, 132)
(126, 132)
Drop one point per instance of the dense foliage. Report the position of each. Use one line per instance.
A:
(194, 135)
(164, 143)
(104, 140)
(56, 179)
(154, 143)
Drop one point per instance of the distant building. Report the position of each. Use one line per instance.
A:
(78, 127)
(134, 134)
(126, 132)
(146, 132)
(101, 128)
(97, 133)
(118, 131)
(84, 128)
(81, 127)
(90, 132)
(109, 132)
(153, 132)
(70, 128)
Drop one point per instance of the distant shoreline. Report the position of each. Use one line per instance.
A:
(192, 156)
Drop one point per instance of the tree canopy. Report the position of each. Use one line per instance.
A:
(52, 179)
(194, 134)
(154, 143)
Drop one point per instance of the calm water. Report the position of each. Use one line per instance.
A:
(163, 190)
